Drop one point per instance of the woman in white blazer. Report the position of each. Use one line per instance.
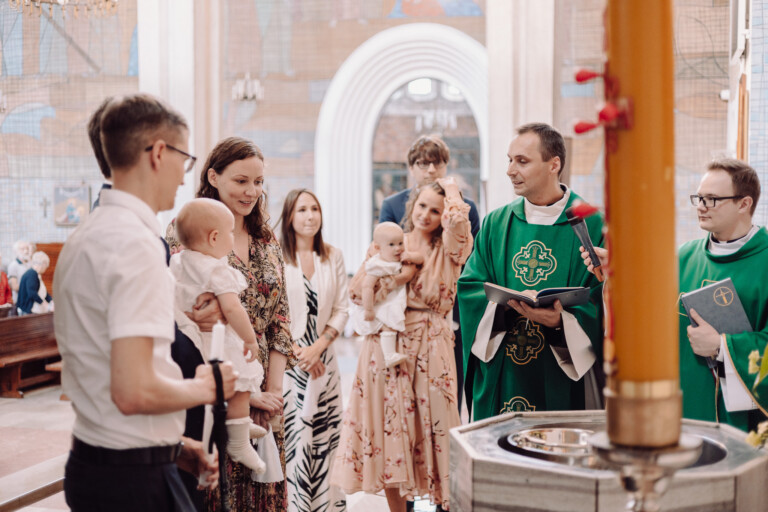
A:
(316, 285)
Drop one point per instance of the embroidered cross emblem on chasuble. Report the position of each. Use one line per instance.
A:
(534, 263)
(524, 341)
(517, 404)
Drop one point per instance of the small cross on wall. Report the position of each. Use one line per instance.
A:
(44, 202)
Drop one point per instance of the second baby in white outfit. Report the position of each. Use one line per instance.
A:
(205, 227)
(388, 316)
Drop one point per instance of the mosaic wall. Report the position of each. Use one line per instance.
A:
(294, 47)
(56, 69)
(758, 103)
(701, 72)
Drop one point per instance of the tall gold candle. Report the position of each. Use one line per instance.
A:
(643, 394)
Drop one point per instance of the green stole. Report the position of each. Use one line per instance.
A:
(524, 374)
(748, 269)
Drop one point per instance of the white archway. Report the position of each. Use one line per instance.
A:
(351, 108)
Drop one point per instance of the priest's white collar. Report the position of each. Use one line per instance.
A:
(727, 248)
(546, 215)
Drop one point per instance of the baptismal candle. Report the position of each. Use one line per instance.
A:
(217, 341)
(641, 353)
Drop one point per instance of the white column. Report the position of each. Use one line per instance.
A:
(167, 68)
(207, 79)
(520, 39)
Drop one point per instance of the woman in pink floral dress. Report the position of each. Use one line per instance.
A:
(395, 433)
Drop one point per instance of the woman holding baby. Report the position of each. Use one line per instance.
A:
(234, 174)
(395, 432)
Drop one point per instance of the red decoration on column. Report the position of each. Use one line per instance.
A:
(608, 113)
(585, 75)
(584, 127)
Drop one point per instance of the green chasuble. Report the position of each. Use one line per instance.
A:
(748, 269)
(524, 375)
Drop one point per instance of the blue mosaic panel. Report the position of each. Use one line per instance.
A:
(56, 69)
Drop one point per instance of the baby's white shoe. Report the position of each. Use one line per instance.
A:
(394, 359)
(239, 445)
(256, 431)
(388, 341)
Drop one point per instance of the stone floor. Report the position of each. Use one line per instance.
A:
(38, 427)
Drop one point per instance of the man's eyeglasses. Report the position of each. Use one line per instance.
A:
(424, 164)
(189, 163)
(709, 202)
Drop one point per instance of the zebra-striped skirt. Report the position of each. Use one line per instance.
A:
(310, 440)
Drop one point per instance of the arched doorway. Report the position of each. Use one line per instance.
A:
(351, 107)
(424, 106)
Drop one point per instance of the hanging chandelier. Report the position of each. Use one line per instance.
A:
(77, 7)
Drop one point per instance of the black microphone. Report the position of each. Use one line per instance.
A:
(580, 228)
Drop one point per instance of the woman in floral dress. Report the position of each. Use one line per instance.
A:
(395, 433)
(234, 175)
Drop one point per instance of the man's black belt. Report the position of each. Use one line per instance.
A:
(150, 456)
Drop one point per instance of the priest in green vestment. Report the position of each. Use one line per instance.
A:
(735, 248)
(519, 358)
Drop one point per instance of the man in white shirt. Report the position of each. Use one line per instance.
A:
(114, 323)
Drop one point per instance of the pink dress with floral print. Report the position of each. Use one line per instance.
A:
(395, 431)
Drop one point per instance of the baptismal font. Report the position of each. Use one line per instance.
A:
(569, 460)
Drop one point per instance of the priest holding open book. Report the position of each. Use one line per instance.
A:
(517, 356)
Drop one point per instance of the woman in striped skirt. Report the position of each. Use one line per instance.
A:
(316, 285)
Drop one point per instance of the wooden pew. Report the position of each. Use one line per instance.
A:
(52, 250)
(56, 366)
(27, 344)
(30, 485)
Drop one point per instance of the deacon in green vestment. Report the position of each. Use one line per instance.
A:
(529, 245)
(735, 248)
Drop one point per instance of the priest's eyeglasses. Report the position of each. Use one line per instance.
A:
(189, 162)
(424, 164)
(709, 202)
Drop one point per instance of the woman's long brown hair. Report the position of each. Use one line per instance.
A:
(407, 222)
(227, 151)
(287, 233)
